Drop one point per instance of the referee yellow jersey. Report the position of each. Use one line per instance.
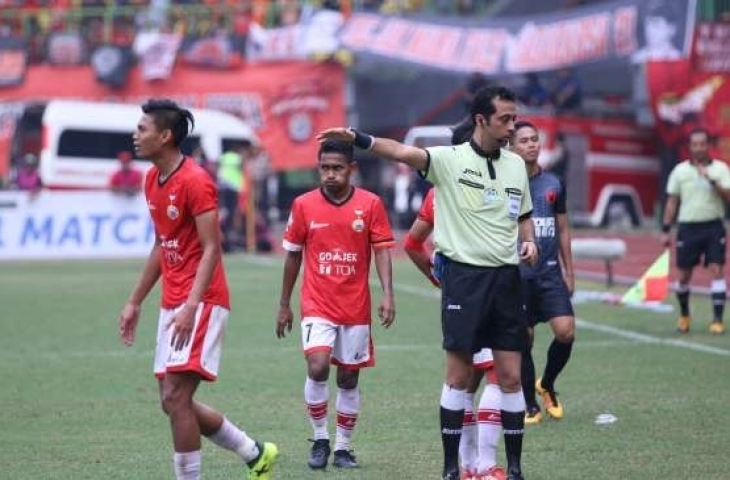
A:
(478, 204)
(699, 202)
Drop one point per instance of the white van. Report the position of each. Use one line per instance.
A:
(81, 140)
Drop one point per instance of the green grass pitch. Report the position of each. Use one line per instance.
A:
(76, 404)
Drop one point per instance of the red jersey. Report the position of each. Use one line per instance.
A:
(127, 179)
(338, 240)
(173, 205)
(426, 212)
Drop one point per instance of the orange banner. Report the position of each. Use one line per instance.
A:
(286, 103)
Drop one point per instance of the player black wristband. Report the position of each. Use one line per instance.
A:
(362, 140)
(666, 228)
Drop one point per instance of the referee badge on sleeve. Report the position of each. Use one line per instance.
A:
(514, 202)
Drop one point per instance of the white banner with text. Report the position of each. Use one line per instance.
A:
(73, 225)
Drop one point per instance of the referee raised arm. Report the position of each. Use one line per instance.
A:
(483, 208)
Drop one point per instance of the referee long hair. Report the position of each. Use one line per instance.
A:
(168, 115)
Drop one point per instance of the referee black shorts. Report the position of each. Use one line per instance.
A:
(481, 307)
(700, 240)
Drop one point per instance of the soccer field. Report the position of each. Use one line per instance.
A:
(76, 404)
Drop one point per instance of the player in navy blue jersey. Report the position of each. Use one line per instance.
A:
(548, 285)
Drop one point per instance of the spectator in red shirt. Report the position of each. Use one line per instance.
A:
(127, 180)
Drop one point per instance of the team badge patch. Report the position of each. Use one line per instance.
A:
(172, 212)
(551, 196)
(358, 224)
(491, 196)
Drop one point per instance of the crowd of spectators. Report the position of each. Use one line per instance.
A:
(101, 22)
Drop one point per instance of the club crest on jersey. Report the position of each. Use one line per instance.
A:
(551, 196)
(358, 224)
(172, 210)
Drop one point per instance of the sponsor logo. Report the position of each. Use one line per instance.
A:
(491, 417)
(172, 258)
(469, 171)
(315, 225)
(337, 263)
(346, 257)
(544, 227)
(172, 244)
(453, 307)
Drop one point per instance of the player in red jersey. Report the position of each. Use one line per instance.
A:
(183, 204)
(336, 228)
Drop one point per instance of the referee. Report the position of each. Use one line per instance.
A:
(701, 188)
(483, 207)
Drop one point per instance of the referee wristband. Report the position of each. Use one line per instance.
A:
(362, 140)
(666, 228)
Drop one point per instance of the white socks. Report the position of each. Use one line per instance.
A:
(489, 426)
(187, 465)
(316, 396)
(468, 443)
(234, 439)
(348, 407)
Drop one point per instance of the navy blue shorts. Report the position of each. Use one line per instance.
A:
(546, 297)
(700, 240)
(481, 307)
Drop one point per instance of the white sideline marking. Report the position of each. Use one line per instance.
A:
(597, 327)
(644, 338)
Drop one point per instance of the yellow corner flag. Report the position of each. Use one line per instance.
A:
(653, 286)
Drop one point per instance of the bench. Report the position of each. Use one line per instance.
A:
(607, 250)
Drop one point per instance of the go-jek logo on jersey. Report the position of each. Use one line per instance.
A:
(171, 244)
(544, 227)
(170, 253)
(337, 262)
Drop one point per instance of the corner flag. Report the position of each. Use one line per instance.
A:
(653, 286)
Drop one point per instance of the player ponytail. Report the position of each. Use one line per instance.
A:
(168, 115)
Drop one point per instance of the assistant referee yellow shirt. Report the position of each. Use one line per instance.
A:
(699, 202)
(476, 215)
